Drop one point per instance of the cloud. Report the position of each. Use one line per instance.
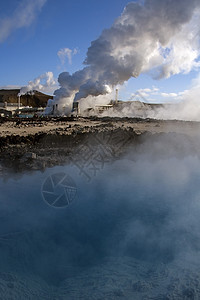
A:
(45, 83)
(23, 16)
(10, 87)
(144, 94)
(156, 95)
(169, 95)
(66, 53)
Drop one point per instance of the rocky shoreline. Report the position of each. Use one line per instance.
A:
(38, 144)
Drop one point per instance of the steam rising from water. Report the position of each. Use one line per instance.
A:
(160, 38)
(138, 220)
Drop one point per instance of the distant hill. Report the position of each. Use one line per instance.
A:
(38, 99)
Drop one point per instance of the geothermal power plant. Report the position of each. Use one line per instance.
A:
(100, 181)
(48, 108)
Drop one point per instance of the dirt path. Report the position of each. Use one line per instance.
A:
(69, 126)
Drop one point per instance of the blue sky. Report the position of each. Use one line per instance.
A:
(32, 49)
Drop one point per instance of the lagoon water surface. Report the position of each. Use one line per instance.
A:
(131, 232)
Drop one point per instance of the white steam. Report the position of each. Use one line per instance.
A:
(180, 106)
(160, 38)
(187, 109)
(45, 83)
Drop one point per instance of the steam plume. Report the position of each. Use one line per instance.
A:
(44, 83)
(158, 37)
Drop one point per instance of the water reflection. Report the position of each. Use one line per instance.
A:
(132, 232)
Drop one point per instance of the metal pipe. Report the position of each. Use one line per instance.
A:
(116, 96)
(19, 101)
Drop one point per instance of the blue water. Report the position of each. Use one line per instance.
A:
(143, 213)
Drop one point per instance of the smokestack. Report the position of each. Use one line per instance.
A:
(116, 96)
(19, 101)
